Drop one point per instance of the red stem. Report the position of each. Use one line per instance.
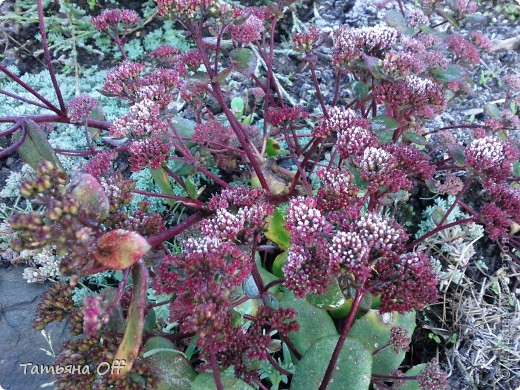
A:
(344, 332)
(47, 56)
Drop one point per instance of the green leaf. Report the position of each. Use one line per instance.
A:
(516, 168)
(221, 76)
(359, 90)
(160, 177)
(276, 231)
(333, 299)
(192, 188)
(395, 19)
(415, 138)
(279, 262)
(314, 323)
(447, 14)
(272, 148)
(90, 194)
(237, 106)
(493, 111)
(36, 148)
(450, 74)
(206, 381)
(352, 371)
(373, 65)
(383, 122)
(244, 60)
(131, 343)
(413, 384)
(185, 127)
(373, 331)
(172, 369)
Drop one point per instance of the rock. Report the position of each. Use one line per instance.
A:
(20, 343)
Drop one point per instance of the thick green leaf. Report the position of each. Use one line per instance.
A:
(383, 122)
(333, 299)
(131, 343)
(276, 231)
(279, 262)
(395, 19)
(413, 384)
(314, 323)
(353, 368)
(450, 74)
(90, 194)
(359, 89)
(172, 369)
(160, 177)
(272, 148)
(268, 277)
(237, 106)
(493, 111)
(415, 138)
(36, 148)
(447, 14)
(516, 169)
(185, 127)
(373, 65)
(206, 381)
(244, 60)
(373, 331)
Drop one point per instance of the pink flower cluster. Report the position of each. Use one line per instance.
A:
(93, 314)
(339, 118)
(463, 49)
(183, 8)
(151, 151)
(100, 164)
(355, 139)
(120, 81)
(278, 116)
(240, 212)
(142, 120)
(306, 41)
(491, 156)
(80, 108)
(412, 95)
(248, 31)
(349, 43)
(111, 18)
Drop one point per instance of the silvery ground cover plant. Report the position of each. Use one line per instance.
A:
(277, 244)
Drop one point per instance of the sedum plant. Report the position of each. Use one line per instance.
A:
(293, 264)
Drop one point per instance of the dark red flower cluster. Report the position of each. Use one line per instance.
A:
(462, 49)
(279, 116)
(109, 19)
(306, 41)
(80, 108)
(153, 152)
(411, 95)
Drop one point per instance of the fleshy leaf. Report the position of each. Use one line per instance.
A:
(352, 371)
(131, 343)
(120, 249)
(206, 381)
(373, 330)
(395, 19)
(272, 148)
(383, 122)
(415, 138)
(90, 194)
(36, 148)
(314, 323)
(279, 262)
(276, 231)
(172, 369)
(359, 89)
(244, 60)
(331, 300)
(450, 74)
(493, 111)
(160, 177)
